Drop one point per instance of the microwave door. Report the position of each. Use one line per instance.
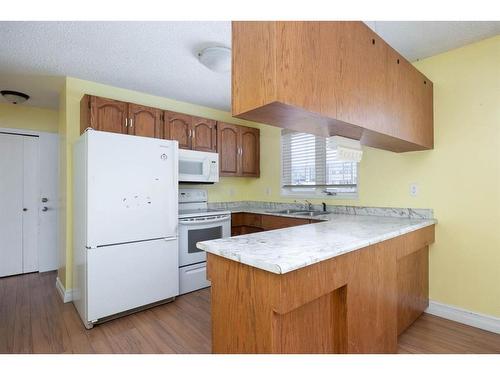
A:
(191, 169)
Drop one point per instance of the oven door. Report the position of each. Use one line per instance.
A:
(196, 229)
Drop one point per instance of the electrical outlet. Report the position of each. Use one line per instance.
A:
(413, 189)
(231, 192)
(268, 191)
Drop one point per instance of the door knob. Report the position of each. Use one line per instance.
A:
(45, 200)
(25, 209)
(45, 209)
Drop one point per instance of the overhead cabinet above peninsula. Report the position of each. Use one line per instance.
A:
(330, 78)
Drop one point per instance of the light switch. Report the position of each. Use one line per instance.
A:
(413, 189)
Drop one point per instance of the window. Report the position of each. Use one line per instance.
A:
(310, 167)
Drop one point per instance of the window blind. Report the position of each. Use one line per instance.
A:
(308, 162)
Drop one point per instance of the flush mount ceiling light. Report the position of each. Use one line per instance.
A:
(14, 97)
(216, 58)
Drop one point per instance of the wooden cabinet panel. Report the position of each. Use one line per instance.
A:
(250, 152)
(144, 121)
(330, 78)
(413, 287)
(248, 230)
(253, 220)
(239, 150)
(244, 222)
(228, 146)
(177, 126)
(204, 135)
(237, 219)
(235, 230)
(105, 114)
(277, 222)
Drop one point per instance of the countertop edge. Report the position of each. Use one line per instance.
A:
(275, 268)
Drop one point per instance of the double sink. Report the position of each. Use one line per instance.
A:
(300, 212)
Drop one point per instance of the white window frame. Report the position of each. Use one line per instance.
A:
(305, 192)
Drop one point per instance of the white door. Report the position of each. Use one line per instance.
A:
(31, 196)
(123, 277)
(132, 188)
(19, 195)
(48, 255)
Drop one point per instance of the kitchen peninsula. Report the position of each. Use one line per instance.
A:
(350, 284)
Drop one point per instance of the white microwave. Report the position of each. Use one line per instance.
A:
(198, 166)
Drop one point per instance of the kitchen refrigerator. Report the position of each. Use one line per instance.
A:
(125, 245)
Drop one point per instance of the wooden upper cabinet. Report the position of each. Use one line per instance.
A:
(228, 146)
(103, 114)
(177, 126)
(144, 121)
(203, 134)
(330, 78)
(192, 133)
(250, 151)
(239, 150)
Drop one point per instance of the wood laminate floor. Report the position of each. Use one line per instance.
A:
(33, 319)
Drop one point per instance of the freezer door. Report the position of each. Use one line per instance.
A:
(132, 188)
(125, 277)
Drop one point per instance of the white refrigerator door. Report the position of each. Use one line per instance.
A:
(124, 277)
(132, 188)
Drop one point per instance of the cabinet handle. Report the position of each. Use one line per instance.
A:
(131, 122)
(126, 122)
(193, 134)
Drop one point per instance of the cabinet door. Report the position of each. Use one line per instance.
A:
(143, 121)
(204, 135)
(177, 127)
(108, 115)
(228, 138)
(270, 222)
(250, 151)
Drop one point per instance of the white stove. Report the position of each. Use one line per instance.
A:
(197, 212)
(197, 223)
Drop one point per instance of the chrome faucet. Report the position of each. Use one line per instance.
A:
(309, 205)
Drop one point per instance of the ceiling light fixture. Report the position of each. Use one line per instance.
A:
(216, 58)
(14, 97)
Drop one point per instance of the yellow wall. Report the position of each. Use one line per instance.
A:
(30, 118)
(459, 179)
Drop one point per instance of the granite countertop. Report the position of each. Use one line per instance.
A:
(284, 250)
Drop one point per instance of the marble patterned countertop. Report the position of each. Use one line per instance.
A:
(284, 250)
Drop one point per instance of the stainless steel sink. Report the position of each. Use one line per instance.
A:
(300, 212)
(311, 213)
(287, 212)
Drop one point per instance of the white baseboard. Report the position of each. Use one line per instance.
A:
(486, 322)
(66, 295)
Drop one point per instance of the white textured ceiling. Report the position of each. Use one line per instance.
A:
(420, 39)
(159, 58)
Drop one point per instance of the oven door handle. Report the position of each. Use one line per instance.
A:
(207, 221)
